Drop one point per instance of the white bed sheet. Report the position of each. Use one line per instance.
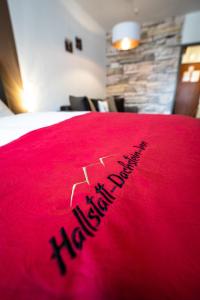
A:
(12, 127)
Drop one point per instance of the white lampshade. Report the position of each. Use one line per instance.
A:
(191, 25)
(126, 35)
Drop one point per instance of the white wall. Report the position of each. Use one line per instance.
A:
(49, 73)
(191, 28)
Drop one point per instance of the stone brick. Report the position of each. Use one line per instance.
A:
(116, 89)
(116, 79)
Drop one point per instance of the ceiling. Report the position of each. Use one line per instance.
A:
(109, 12)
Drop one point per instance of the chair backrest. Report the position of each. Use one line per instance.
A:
(79, 103)
(115, 103)
(119, 102)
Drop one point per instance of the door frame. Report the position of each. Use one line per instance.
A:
(182, 47)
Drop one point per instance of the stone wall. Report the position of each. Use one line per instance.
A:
(146, 76)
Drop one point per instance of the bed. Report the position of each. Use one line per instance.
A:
(13, 126)
(101, 206)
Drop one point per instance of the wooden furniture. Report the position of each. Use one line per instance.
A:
(188, 93)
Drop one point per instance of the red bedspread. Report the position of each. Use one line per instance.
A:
(130, 230)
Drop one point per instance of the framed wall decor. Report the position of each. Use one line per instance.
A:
(68, 45)
(78, 42)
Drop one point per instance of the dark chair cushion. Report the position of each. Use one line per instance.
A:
(79, 103)
(65, 108)
(119, 102)
(133, 109)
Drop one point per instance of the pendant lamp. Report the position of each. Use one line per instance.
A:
(126, 35)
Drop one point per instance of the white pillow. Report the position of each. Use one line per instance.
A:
(4, 110)
(103, 106)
